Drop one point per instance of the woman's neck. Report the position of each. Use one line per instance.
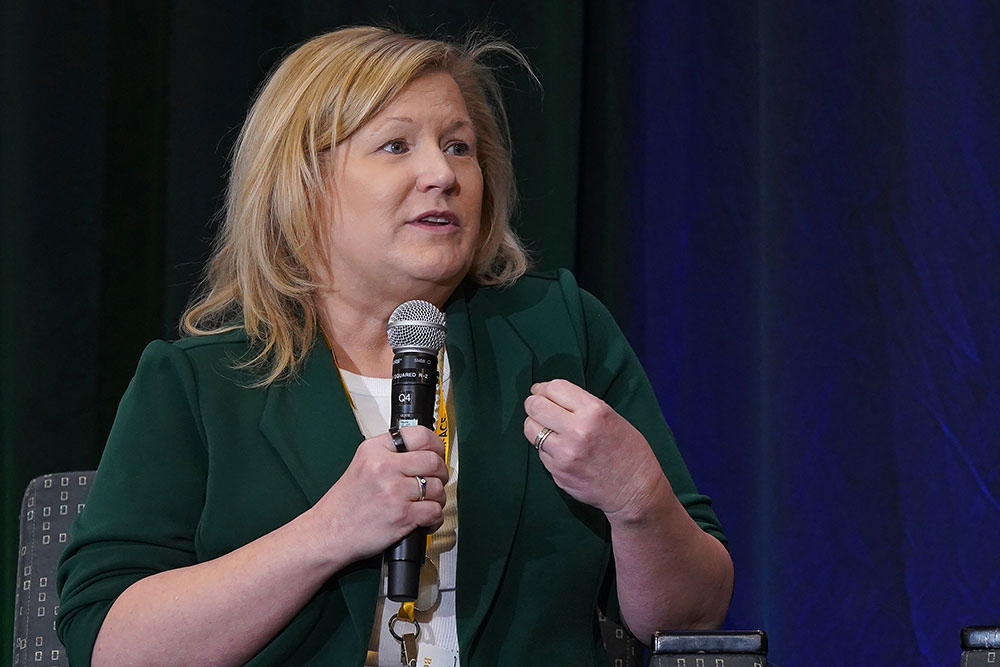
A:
(356, 333)
(355, 328)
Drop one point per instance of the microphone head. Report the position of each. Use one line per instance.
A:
(417, 325)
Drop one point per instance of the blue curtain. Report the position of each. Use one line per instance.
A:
(816, 276)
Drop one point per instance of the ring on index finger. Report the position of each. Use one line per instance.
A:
(540, 438)
(397, 440)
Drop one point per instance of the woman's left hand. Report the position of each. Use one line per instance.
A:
(593, 453)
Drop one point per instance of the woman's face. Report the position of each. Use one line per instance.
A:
(406, 195)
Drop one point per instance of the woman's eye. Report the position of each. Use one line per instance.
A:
(459, 148)
(396, 147)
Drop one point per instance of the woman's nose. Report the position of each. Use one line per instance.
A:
(435, 171)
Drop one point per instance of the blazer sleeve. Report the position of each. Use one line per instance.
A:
(143, 510)
(614, 374)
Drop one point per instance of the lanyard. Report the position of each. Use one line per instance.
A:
(441, 427)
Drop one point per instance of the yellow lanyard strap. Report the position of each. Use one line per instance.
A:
(407, 609)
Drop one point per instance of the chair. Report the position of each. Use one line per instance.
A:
(623, 649)
(980, 646)
(51, 503)
(724, 648)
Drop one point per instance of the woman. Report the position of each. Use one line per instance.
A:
(236, 519)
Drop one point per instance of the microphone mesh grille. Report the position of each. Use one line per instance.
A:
(418, 324)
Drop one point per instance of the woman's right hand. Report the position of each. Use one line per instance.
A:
(374, 503)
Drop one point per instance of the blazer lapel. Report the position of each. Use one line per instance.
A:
(491, 375)
(311, 425)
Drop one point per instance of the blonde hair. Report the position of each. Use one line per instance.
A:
(262, 276)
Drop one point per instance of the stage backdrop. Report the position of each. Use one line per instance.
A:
(792, 208)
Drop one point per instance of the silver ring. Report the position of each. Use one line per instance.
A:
(422, 483)
(540, 438)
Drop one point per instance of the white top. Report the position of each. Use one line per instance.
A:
(437, 625)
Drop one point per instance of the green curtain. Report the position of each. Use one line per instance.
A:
(117, 124)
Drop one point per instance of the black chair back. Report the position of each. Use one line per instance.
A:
(51, 503)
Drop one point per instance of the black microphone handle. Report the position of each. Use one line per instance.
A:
(414, 389)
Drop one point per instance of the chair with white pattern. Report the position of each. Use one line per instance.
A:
(51, 503)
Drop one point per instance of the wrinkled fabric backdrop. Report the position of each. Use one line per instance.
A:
(792, 208)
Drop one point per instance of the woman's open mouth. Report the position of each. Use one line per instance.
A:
(435, 219)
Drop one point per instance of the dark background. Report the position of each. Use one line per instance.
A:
(792, 208)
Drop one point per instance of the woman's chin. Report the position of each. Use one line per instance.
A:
(434, 264)
(441, 274)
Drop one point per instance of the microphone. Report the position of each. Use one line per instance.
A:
(416, 332)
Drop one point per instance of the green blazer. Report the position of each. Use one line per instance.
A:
(198, 464)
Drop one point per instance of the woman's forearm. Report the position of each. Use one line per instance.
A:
(670, 573)
(223, 611)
